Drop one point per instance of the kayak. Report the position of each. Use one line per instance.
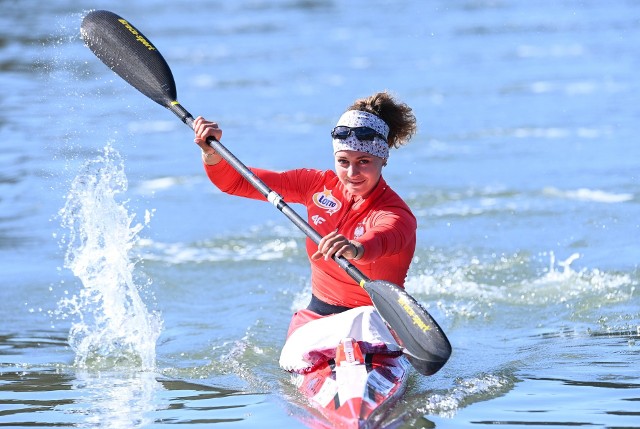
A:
(355, 382)
(354, 393)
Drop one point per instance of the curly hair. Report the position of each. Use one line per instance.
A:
(399, 116)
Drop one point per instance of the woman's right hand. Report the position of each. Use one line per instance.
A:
(204, 129)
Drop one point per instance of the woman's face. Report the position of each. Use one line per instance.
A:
(359, 172)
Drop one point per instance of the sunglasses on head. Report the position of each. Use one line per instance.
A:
(342, 132)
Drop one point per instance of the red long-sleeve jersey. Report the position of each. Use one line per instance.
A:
(381, 222)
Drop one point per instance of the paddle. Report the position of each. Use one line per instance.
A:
(133, 57)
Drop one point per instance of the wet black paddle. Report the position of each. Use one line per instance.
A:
(133, 57)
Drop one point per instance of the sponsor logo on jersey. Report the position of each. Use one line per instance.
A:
(326, 201)
(317, 219)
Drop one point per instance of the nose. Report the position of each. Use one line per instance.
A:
(353, 170)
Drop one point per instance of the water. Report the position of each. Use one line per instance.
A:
(111, 321)
(136, 295)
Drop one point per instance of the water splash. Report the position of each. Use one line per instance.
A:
(514, 280)
(112, 324)
(466, 392)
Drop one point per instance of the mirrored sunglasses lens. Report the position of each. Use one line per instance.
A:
(364, 133)
(340, 132)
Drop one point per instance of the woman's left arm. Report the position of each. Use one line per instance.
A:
(389, 233)
(337, 244)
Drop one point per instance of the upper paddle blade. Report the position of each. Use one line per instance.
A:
(426, 345)
(127, 52)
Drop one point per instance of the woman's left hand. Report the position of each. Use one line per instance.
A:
(335, 244)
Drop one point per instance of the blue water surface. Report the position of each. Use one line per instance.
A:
(134, 294)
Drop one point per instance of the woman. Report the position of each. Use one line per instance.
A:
(358, 215)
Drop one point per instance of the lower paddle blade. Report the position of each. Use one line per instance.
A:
(127, 52)
(426, 345)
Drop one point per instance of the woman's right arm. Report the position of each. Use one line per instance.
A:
(221, 174)
(291, 184)
(204, 129)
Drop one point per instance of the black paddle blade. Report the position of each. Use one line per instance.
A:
(426, 345)
(126, 51)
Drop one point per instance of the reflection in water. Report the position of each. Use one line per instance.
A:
(61, 395)
(200, 404)
(27, 397)
(116, 400)
(68, 396)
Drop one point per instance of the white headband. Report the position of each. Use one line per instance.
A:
(356, 118)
